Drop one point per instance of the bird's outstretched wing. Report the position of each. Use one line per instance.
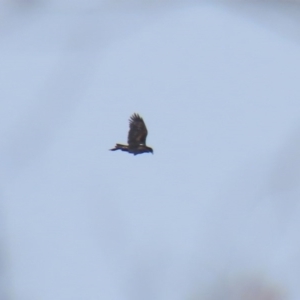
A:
(138, 131)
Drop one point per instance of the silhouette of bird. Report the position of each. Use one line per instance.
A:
(136, 137)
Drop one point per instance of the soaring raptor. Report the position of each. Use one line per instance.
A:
(136, 137)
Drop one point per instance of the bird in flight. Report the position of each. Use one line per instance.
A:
(136, 137)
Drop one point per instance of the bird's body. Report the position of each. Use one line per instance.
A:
(136, 137)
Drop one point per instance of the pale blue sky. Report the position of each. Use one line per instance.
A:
(215, 204)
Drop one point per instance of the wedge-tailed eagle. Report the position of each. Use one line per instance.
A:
(136, 137)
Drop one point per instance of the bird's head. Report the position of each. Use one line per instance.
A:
(150, 150)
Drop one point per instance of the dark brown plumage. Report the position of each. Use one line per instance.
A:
(136, 137)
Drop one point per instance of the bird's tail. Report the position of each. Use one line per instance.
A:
(120, 147)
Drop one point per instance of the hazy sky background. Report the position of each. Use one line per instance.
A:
(213, 214)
